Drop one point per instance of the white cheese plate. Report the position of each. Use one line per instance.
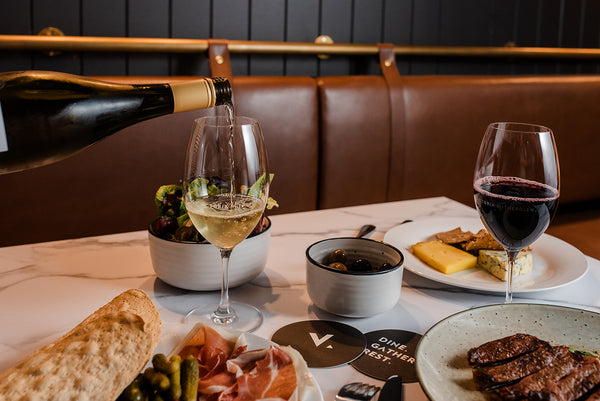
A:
(555, 262)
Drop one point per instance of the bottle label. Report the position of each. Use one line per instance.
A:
(3, 141)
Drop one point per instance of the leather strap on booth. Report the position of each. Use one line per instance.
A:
(218, 57)
(387, 63)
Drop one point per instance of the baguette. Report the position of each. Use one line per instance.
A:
(94, 361)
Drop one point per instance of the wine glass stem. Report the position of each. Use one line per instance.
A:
(511, 255)
(224, 313)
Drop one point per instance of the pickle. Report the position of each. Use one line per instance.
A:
(157, 380)
(189, 378)
(157, 397)
(162, 364)
(133, 392)
(174, 392)
(175, 362)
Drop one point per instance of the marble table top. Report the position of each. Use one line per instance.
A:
(47, 288)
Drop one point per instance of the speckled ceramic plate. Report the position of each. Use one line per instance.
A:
(555, 262)
(442, 365)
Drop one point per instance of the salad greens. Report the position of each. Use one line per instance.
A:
(173, 221)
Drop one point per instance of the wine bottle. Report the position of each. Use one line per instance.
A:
(48, 116)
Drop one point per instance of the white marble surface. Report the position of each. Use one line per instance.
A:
(47, 288)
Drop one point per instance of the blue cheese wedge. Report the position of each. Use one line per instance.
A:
(496, 263)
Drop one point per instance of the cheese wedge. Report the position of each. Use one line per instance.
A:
(444, 257)
(496, 263)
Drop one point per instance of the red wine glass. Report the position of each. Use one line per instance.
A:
(516, 186)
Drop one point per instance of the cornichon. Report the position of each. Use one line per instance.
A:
(157, 397)
(189, 378)
(157, 380)
(162, 364)
(163, 381)
(174, 392)
(133, 392)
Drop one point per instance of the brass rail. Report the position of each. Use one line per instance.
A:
(174, 45)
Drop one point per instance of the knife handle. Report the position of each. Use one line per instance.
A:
(391, 390)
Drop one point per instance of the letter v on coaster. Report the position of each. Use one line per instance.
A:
(322, 343)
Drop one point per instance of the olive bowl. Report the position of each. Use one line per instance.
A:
(354, 293)
(197, 266)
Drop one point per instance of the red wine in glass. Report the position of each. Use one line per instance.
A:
(516, 211)
(516, 186)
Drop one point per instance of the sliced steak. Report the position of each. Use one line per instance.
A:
(576, 384)
(494, 376)
(504, 349)
(535, 384)
(595, 396)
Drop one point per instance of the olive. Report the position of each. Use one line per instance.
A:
(339, 255)
(338, 266)
(385, 266)
(360, 265)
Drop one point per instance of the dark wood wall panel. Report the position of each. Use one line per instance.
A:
(552, 23)
(589, 33)
(526, 22)
(426, 32)
(148, 18)
(302, 25)
(549, 24)
(190, 19)
(96, 21)
(267, 23)
(367, 28)
(66, 16)
(231, 21)
(336, 21)
(398, 27)
(15, 19)
(571, 33)
(502, 32)
(465, 23)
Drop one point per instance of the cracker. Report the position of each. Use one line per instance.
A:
(482, 240)
(455, 236)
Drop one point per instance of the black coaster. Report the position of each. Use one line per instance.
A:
(389, 353)
(321, 343)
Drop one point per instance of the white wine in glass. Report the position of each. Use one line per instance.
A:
(225, 188)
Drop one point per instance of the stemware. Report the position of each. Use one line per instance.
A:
(225, 190)
(516, 186)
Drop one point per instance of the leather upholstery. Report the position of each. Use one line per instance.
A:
(287, 110)
(332, 141)
(355, 136)
(445, 118)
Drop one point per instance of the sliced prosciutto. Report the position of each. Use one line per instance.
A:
(230, 372)
(273, 377)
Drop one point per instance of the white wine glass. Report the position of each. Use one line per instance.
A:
(225, 190)
(516, 186)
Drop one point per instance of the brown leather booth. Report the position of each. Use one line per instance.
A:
(355, 137)
(332, 142)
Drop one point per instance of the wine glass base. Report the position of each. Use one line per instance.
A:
(247, 317)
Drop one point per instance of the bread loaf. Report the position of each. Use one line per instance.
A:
(93, 362)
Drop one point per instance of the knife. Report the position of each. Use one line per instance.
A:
(391, 390)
